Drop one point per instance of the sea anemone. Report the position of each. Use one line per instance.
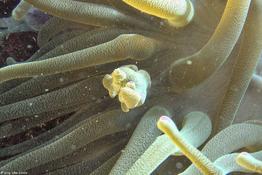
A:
(159, 58)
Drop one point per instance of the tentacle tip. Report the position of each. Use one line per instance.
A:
(185, 19)
(10, 61)
(165, 123)
(164, 119)
(243, 154)
(21, 10)
(247, 161)
(15, 16)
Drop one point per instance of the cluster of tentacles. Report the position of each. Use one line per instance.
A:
(60, 103)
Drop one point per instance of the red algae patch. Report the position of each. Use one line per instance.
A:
(20, 46)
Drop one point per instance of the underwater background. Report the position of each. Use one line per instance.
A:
(130, 87)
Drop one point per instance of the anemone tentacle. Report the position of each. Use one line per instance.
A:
(191, 71)
(249, 56)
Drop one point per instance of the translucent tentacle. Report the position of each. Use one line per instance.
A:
(196, 129)
(244, 68)
(167, 126)
(191, 71)
(144, 135)
(87, 13)
(123, 47)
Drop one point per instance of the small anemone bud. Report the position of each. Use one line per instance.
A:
(129, 97)
(107, 81)
(130, 84)
(119, 75)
